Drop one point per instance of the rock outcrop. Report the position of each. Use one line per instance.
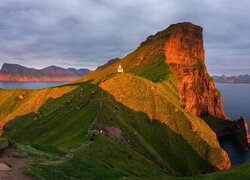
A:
(241, 131)
(186, 56)
(237, 128)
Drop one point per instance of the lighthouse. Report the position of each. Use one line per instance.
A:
(120, 70)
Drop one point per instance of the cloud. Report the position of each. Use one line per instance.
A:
(86, 33)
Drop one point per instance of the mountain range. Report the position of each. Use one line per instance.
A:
(232, 79)
(18, 73)
(158, 119)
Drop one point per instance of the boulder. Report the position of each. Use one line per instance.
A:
(4, 167)
(21, 97)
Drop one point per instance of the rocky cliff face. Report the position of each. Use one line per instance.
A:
(186, 56)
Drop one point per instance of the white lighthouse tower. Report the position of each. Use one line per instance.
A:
(120, 70)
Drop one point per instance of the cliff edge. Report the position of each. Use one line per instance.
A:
(186, 56)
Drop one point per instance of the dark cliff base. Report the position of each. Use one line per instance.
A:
(237, 128)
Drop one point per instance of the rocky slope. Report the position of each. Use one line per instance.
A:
(232, 79)
(18, 73)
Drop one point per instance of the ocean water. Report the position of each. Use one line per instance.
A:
(236, 102)
(236, 99)
(29, 85)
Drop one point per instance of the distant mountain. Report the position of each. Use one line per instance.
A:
(109, 63)
(232, 79)
(18, 73)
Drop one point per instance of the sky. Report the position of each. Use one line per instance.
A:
(87, 33)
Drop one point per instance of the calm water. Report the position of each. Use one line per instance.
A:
(236, 101)
(29, 85)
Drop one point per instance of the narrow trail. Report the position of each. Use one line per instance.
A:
(11, 166)
(70, 154)
(97, 115)
(67, 156)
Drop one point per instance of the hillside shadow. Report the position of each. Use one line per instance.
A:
(66, 121)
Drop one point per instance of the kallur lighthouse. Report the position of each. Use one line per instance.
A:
(120, 70)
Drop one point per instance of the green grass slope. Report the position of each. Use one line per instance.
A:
(163, 141)
(11, 105)
(237, 172)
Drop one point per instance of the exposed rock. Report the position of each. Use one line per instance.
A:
(241, 132)
(112, 132)
(21, 97)
(186, 56)
(4, 167)
(13, 166)
(226, 164)
(237, 128)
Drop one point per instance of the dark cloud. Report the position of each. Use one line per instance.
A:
(85, 33)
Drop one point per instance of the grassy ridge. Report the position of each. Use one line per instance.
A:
(59, 121)
(160, 103)
(147, 61)
(12, 106)
(159, 146)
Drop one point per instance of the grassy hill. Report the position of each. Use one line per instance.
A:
(67, 131)
(167, 141)
(112, 126)
(20, 102)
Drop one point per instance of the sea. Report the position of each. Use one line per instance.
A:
(236, 102)
(29, 85)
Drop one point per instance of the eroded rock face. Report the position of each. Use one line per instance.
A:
(241, 131)
(186, 56)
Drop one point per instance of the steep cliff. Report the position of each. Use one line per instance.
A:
(237, 128)
(186, 56)
(176, 50)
